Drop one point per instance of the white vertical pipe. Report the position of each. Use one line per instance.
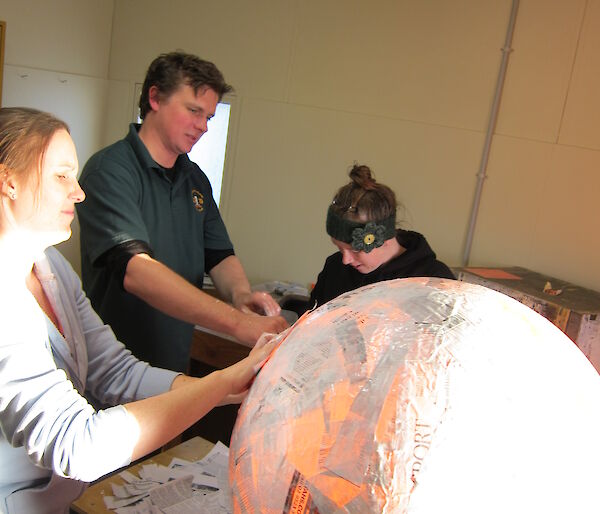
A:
(481, 175)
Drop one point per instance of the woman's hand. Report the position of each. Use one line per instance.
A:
(241, 374)
(233, 399)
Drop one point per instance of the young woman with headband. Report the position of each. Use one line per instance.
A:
(361, 222)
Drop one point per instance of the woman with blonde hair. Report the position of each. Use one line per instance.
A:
(361, 222)
(75, 404)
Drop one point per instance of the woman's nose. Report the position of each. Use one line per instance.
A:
(77, 194)
(347, 257)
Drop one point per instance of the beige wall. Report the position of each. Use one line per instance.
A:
(402, 85)
(56, 59)
(541, 206)
(405, 86)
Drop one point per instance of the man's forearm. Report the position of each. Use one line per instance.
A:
(168, 292)
(230, 279)
(231, 282)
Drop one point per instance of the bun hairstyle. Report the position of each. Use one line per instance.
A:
(364, 199)
(363, 212)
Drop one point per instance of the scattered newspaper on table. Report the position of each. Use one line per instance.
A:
(182, 487)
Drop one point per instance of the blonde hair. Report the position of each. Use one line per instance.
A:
(25, 134)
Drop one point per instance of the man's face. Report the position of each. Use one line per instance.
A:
(182, 117)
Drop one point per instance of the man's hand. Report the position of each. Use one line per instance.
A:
(252, 326)
(170, 293)
(258, 301)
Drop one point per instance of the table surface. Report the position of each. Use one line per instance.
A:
(216, 351)
(91, 501)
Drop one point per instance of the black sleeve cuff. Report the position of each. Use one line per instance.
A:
(214, 257)
(117, 258)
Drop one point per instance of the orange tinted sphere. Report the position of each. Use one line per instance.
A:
(420, 396)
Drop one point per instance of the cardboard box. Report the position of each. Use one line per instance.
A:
(573, 309)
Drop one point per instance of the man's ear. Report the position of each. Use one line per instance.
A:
(154, 98)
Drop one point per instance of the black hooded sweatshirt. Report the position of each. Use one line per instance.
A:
(419, 260)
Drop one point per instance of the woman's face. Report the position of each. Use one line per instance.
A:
(361, 261)
(50, 213)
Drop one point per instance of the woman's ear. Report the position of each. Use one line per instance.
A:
(12, 194)
(8, 186)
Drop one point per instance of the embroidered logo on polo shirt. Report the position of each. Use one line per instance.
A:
(198, 200)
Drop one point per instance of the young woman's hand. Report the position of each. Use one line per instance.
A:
(241, 374)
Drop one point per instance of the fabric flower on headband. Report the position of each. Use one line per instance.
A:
(365, 239)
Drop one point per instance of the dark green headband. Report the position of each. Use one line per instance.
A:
(362, 236)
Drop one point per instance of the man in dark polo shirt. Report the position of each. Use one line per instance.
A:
(150, 227)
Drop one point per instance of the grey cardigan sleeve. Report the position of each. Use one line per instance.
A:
(114, 374)
(40, 409)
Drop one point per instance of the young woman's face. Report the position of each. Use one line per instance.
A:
(361, 261)
(50, 212)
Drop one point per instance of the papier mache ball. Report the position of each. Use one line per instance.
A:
(420, 396)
